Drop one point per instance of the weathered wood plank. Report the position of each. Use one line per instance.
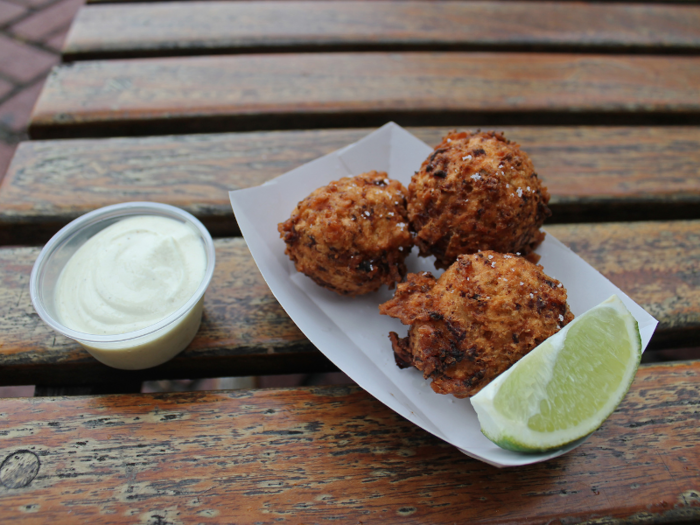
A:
(316, 454)
(205, 28)
(657, 264)
(593, 174)
(306, 90)
(245, 331)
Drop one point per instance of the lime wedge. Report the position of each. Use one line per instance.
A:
(566, 387)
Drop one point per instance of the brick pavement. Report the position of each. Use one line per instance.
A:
(31, 36)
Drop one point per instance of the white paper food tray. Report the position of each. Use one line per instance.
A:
(350, 331)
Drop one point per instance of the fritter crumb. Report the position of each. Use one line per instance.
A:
(476, 191)
(351, 236)
(482, 315)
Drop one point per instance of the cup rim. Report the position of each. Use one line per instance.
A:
(116, 211)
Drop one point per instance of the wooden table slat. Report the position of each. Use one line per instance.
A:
(205, 28)
(310, 455)
(307, 90)
(593, 174)
(245, 331)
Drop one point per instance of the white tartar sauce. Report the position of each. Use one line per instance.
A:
(130, 275)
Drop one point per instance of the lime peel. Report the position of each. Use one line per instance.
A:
(566, 387)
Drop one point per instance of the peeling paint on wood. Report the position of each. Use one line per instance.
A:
(667, 269)
(117, 31)
(310, 455)
(593, 174)
(245, 331)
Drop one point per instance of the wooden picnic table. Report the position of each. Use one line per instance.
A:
(180, 102)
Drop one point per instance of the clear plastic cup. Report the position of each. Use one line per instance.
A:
(150, 346)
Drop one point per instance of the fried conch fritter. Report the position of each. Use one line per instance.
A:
(476, 191)
(482, 315)
(351, 236)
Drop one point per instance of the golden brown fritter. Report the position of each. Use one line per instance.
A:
(352, 235)
(476, 191)
(482, 315)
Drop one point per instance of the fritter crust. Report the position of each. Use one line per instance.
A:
(476, 191)
(482, 315)
(352, 235)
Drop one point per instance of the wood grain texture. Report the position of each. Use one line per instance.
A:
(594, 174)
(667, 269)
(245, 331)
(307, 90)
(313, 455)
(204, 28)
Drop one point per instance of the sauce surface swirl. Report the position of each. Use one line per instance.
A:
(130, 275)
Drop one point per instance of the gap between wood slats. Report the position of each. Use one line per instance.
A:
(66, 127)
(245, 332)
(593, 174)
(206, 28)
(244, 92)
